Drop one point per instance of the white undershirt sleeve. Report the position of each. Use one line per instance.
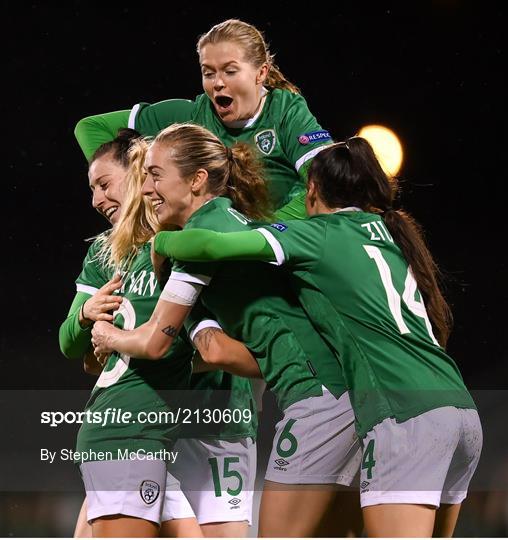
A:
(181, 292)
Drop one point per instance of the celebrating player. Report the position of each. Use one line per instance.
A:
(369, 284)
(127, 383)
(217, 461)
(246, 99)
(196, 181)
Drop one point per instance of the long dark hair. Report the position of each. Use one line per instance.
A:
(118, 147)
(349, 174)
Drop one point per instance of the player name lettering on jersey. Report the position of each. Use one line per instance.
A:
(378, 231)
(139, 283)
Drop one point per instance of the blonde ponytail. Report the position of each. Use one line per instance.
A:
(234, 172)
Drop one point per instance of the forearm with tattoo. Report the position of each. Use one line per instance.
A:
(204, 337)
(170, 331)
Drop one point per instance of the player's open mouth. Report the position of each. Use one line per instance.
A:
(110, 211)
(156, 203)
(223, 103)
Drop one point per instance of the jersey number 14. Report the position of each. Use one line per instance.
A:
(417, 307)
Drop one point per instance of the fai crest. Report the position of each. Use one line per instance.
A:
(265, 141)
(149, 491)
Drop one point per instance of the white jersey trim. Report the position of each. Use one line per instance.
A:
(205, 323)
(181, 292)
(132, 116)
(200, 279)
(349, 209)
(275, 245)
(88, 289)
(309, 155)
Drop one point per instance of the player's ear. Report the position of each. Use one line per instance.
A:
(311, 197)
(262, 73)
(198, 184)
(311, 190)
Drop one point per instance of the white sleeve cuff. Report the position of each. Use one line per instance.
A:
(205, 323)
(309, 155)
(181, 292)
(86, 289)
(275, 245)
(200, 279)
(132, 116)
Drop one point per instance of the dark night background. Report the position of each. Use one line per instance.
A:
(431, 71)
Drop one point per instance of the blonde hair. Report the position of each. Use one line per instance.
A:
(255, 48)
(137, 222)
(234, 172)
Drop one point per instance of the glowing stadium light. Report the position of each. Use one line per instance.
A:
(386, 145)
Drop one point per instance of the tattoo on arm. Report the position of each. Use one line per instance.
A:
(170, 331)
(204, 337)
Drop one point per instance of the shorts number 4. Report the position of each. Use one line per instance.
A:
(368, 461)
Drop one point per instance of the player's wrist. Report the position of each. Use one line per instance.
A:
(84, 322)
(114, 338)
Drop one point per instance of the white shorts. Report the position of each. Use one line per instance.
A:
(315, 443)
(133, 487)
(429, 459)
(217, 477)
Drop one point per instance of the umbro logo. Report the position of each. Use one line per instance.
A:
(364, 485)
(281, 464)
(234, 502)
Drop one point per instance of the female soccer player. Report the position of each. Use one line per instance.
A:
(113, 507)
(189, 173)
(368, 282)
(125, 382)
(217, 454)
(246, 99)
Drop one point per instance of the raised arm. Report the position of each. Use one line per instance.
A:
(204, 245)
(93, 131)
(146, 118)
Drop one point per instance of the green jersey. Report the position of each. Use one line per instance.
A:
(252, 303)
(285, 134)
(135, 388)
(355, 284)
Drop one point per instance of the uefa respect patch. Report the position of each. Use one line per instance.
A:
(314, 136)
(279, 226)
